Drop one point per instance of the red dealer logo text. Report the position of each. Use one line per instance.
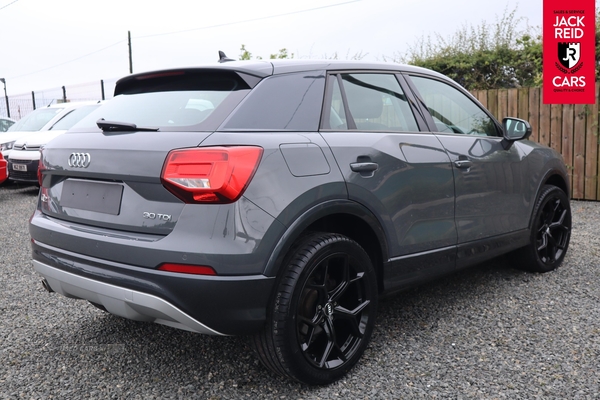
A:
(569, 59)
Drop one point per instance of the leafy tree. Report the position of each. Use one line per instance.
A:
(486, 56)
(356, 56)
(283, 53)
(245, 54)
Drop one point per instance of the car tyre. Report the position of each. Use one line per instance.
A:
(550, 232)
(323, 312)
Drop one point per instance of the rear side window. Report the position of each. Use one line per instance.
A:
(290, 102)
(369, 102)
(195, 100)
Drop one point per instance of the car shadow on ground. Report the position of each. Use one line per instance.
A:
(143, 346)
(18, 187)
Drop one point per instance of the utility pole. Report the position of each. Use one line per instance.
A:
(130, 57)
(6, 96)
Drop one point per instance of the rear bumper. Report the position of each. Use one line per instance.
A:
(127, 303)
(205, 304)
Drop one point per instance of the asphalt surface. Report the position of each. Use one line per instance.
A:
(490, 332)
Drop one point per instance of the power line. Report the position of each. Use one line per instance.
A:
(249, 20)
(70, 61)
(187, 30)
(11, 3)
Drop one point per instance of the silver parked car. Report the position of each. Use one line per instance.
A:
(280, 199)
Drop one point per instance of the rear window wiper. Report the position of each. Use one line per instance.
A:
(115, 126)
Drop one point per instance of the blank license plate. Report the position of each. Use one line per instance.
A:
(92, 196)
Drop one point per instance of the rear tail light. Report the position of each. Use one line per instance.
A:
(210, 174)
(188, 269)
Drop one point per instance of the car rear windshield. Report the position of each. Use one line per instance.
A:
(73, 117)
(35, 121)
(187, 101)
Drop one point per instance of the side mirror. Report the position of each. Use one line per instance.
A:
(514, 129)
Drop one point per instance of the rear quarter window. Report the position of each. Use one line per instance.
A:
(289, 102)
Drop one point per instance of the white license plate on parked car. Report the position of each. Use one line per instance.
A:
(20, 167)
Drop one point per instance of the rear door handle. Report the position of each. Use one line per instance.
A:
(364, 166)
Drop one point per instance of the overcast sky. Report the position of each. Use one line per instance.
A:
(47, 44)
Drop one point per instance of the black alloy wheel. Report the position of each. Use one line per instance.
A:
(550, 232)
(553, 234)
(332, 312)
(324, 311)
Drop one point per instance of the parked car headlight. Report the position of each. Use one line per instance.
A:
(7, 145)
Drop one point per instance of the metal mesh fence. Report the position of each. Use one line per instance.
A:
(22, 104)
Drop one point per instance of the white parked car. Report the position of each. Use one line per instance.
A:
(21, 144)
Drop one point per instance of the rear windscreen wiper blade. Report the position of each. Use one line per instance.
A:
(115, 126)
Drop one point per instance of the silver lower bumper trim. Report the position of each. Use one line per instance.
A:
(119, 301)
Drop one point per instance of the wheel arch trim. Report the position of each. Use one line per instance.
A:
(554, 171)
(314, 214)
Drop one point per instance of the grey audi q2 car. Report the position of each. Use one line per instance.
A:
(281, 199)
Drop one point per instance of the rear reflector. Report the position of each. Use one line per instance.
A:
(210, 174)
(188, 269)
(41, 168)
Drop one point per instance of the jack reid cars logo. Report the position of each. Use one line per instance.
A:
(80, 160)
(569, 52)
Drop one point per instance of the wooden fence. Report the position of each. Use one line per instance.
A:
(571, 129)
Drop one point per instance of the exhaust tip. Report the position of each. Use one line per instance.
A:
(46, 286)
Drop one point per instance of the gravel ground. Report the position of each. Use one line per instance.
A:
(491, 332)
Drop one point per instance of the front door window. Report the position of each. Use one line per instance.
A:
(452, 111)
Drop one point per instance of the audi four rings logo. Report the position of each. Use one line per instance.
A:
(79, 160)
